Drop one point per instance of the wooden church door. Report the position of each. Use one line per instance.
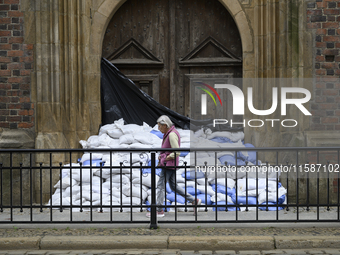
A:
(165, 45)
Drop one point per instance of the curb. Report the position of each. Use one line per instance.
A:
(20, 243)
(169, 242)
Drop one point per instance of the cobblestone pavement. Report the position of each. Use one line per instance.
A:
(171, 252)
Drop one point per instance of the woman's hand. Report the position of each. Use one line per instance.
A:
(168, 158)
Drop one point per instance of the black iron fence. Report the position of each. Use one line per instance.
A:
(119, 186)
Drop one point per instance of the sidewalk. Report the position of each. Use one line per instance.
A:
(194, 238)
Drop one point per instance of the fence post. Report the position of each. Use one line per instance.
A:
(153, 216)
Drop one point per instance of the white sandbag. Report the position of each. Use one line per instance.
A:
(93, 156)
(127, 201)
(202, 181)
(85, 174)
(209, 190)
(221, 197)
(272, 197)
(113, 143)
(200, 133)
(115, 133)
(108, 199)
(134, 191)
(140, 146)
(131, 129)
(233, 136)
(93, 141)
(66, 169)
(146, 180)
(253, 184)
(126, 139)
(145, 138)
(105, 128)
(189, 184)
(251, 193)
(65, 182)
(222, 181)
(116, 178)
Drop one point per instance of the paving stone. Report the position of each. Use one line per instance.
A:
(226, 252)
(250, 252)
(136, 252)
(205, 252)
(115, 252)
(295, 251)
(152, 252)
(187, 252)
(269, 252)
(36, 253)
(313, 251)
(331, 251)
(58, 252)
(21, 252)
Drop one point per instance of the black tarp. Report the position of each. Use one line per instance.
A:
(121, 98)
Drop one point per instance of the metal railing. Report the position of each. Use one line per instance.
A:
(30, 181)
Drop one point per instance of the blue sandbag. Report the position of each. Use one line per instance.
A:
(221, 139)
(243, 200)
(148, 170)
(202, 197)
(192, 191)
(230, 159)
(251, 154)
(221, 189)
(223, 208)
(95, 162)
(149, 208)
(171, 197)
(192, 174)
(270, 208)
(158, 133)
(184, 153)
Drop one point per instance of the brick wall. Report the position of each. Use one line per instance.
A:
(323, 19)
(16, 64)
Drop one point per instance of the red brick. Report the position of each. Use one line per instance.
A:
(320, 72)
(331, 12)
(31, 112)
(15, 66)
(328, 65)
(337, 71)
(16, 39)
(14, 99)
(337, 127)
(28, 46)
(12, 93)
(321, 4)
(320, 58)
(330, 24)
(15, 53)
(320, 85)
(329, 79)
(14, 118)
(4, 124)
(337, 45)
(15, 14)
(5, 33)
(330, 120)
(15, 80)
(5, 73)
(5, 86)
(314, 12)
(25, 72)
(4, 7)
(11, 1)
(5, 46)
(23, 112)
(331, 38)
(5, 20)
(32, 105)
(24, 100)
(4, 99)
(25, 125)
(319, 99)
(321, 31)
(321, 45)
(5, 60)
(26, 59)
(330, 92)
(313, 25)
(330, 52)
(328, 106)
(14, 106)
(24, 86)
